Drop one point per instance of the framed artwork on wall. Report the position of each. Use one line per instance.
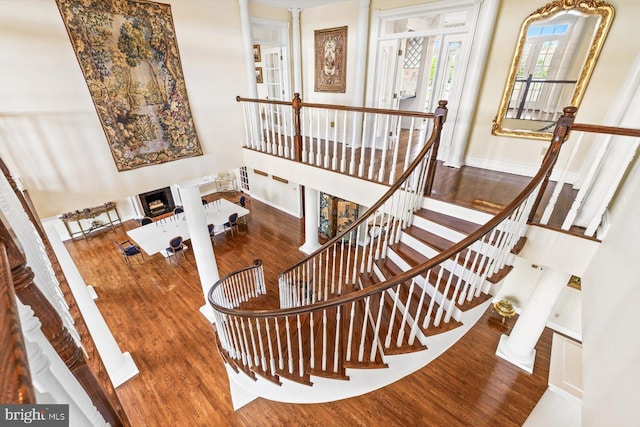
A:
(331, 60)
(257, 56)
(128, 54)
(259, 77)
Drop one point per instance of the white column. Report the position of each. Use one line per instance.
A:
(311, 243)
(245, 24)
(51, 377)
(362, 38)
(200, 242)
(475, 73)
(297, 61)
(519, 347)
(120, 366)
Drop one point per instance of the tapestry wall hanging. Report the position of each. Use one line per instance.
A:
(128, 53)
(331, 60)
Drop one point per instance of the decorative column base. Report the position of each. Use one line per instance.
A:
(126, 370)
(310, 247)
(207, 312)
(523, 362)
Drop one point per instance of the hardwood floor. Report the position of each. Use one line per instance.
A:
(152, 310)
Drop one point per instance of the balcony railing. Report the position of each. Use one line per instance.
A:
(369, 143)
(593, 191)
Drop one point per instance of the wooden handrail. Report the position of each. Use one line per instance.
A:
(611, 130)
(440, 116)
(341, 107)
(15, 383)
(558, 139)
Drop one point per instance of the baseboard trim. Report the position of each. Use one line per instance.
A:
(522, 169)
(280, 208)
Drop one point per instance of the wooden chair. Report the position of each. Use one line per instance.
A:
(128, 249)
(232, 223)
(212, 234)
(176, 246)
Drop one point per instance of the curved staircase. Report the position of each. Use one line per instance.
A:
(384, 298)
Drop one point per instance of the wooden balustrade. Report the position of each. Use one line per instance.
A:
(590, 170)
(369, 143)
(15, 384)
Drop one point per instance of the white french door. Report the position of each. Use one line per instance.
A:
(274, 81)
(421, 58)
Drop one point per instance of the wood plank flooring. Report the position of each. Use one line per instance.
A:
(152, 310)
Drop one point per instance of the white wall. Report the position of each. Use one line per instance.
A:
(357, 190)
(50, 135)
(610, 297)
(280, 195)
(319, 18)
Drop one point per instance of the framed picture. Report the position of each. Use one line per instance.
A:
(259, 78)
(257, 57)
(331, 60)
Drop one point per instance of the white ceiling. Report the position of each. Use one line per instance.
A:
(300, 4)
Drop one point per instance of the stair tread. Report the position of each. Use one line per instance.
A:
(433, 240)
(410, 255)
(452, 222)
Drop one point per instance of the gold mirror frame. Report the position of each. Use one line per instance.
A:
(586, 7)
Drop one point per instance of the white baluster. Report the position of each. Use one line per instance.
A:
(303, 128)
(396, 148)
(586, 185)
(326, 139)
(318, 140)
(385, 147)
(372, 160)
(52, 376)
(36, 254)
(334, 160)
(562, 179)
(343, 161)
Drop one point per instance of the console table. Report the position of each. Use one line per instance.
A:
(88, 220)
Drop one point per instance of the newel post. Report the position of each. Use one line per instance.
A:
(297, 136)
(440, 117)
(560, 135)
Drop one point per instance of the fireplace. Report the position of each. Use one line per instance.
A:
(157, 202)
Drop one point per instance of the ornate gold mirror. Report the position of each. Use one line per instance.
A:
(552, 62)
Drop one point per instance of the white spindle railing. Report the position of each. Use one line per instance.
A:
(600, 180)
(361, 142)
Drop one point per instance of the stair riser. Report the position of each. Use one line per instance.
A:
(429, 252)
(421, 281)
(457, 211)
(438, 229)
